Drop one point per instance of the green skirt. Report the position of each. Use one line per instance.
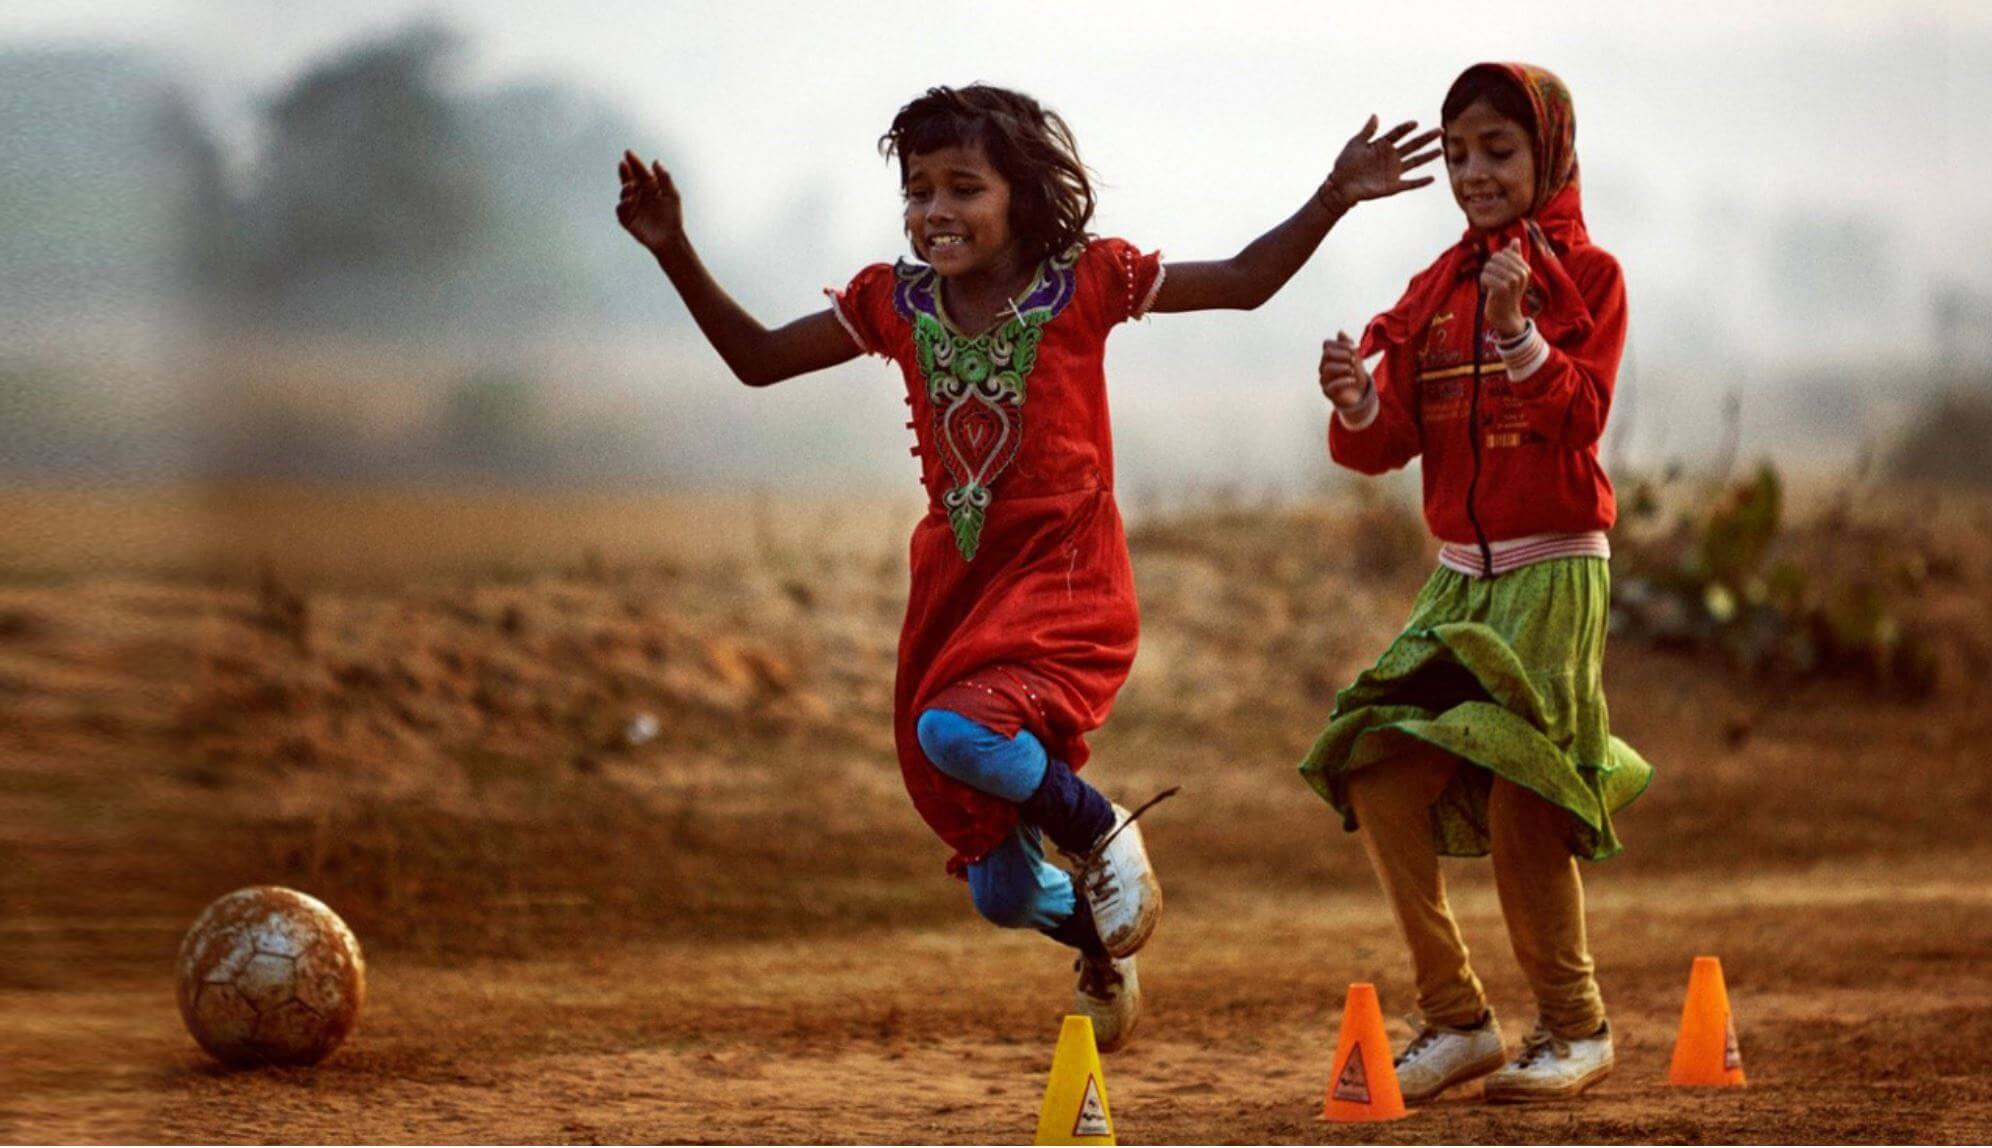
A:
(1505, 673)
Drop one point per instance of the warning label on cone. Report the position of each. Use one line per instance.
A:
(1353, 1084)
(1092, 1119)
(1732, 1056)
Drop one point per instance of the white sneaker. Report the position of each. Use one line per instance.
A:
(1440, 1057)
(1120, 887)
(1551, 1068)
(1109, 993)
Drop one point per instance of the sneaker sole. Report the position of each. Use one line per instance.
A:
(1131, 940)
(1119, 1040)
(1467, 1075)
(1511, 1095)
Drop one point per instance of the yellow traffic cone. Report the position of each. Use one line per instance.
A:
(1075, 1098)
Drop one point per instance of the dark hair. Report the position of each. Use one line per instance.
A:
(1500, 91)
(1051, 200)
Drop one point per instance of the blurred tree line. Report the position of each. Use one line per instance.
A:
(379, 196)
(384, 197)
(373, 197)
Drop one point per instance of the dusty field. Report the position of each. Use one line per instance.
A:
(739, 932)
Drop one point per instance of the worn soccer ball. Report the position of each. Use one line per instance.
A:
(268, 975)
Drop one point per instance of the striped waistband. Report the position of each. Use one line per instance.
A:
(1515, 553)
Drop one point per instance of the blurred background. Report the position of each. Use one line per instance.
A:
(374, 242)
(374, 521)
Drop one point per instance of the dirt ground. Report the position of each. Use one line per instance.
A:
(738, 931)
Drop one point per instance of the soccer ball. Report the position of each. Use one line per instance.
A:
(270, 976)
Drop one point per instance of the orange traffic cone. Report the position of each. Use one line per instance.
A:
(1362, 1086)
(1706, 1051)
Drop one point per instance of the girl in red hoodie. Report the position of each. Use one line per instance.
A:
(1483, 727)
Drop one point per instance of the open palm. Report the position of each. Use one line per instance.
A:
(649, 209)
(1372, 166)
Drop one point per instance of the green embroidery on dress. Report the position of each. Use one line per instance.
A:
(977, 385)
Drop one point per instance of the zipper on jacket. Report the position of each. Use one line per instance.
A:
(1473, 432)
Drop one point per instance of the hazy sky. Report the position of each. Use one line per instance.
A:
(1784, 182)
(1209, 121)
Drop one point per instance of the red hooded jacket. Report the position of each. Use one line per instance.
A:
(1503, 459)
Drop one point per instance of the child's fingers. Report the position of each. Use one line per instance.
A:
(663, 177)
(1369, 129)
(1412, 161)
(1411, 183)
(1421, 139)
(1400, 131)
(1502, 276)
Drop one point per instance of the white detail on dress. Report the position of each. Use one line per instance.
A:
(1148, 300)
(844, 321)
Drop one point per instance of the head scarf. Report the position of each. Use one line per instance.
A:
(1553, 225)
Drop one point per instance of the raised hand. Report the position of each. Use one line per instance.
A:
(1344, 379)
(649, 209)
(1506, 281)
(1373, 166)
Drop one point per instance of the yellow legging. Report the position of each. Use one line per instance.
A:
(1542, 897)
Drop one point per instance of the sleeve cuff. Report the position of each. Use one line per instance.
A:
(1141, 308)
(1362, 414)
(844, 321)
(1525, 354)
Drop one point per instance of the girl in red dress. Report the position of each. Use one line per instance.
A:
(1021, 623)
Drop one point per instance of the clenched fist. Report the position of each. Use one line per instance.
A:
(1344, 379)
(1506, 281)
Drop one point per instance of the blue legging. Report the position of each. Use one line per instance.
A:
(1014, 886)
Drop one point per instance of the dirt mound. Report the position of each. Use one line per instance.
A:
(641, 822)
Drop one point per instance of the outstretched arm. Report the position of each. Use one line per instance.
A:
(651, 211)
(1370, 167)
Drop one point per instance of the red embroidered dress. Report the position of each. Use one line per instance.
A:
(1021, 613)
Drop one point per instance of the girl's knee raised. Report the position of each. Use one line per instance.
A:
(975, 755)
(952, 742)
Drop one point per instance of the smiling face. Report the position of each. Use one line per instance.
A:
(958, 212)
(1491, 163)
